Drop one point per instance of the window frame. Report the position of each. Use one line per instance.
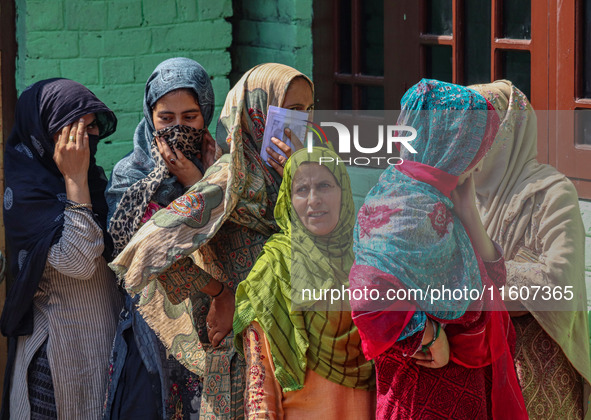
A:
(568, 157)
(555, 67)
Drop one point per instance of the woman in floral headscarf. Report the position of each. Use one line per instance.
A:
(215, 232)
(419, 230)
(532, 211)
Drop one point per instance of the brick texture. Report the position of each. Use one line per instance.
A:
(272, 31)
(113, 46)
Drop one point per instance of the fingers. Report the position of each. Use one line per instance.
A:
(167, 154)
(72, 152)
(180, 157)
(274, 164)
(210, 331)
(427, 359)
(428, 364)
(214, 334)
(278, 157)
(81, 135)
(420, 355)
(297, 144)
(217, 338)
(74, 135)
(64, 136)
(284, 147)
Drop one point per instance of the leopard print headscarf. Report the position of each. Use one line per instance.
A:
(140, 183)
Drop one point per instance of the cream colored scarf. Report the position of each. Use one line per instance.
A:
(532, 211)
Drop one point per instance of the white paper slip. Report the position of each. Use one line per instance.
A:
(278, 119)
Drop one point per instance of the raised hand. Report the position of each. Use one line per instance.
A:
(178, 165)
(72, 157)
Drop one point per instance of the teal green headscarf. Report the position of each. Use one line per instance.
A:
(302, 333)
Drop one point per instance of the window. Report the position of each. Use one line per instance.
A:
(466, 42)
(355, 70)
(572, 142)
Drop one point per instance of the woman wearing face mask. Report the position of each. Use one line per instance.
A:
(145, 382)
(166, 157)
(304, 357)
(185, 263)
(61, 310)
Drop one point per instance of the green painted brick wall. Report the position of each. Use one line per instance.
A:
(272, 31)
(112, 47)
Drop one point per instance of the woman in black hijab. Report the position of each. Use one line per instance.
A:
(61, 311)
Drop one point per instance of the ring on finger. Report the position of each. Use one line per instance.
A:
(72, 138)
(172, 160)
(209, 327)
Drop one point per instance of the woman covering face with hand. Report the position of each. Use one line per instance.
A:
(419, 231)
(304, 357)
(217, 228)
(167, 147)
(167, 159)
(532, 211)
(61, 310)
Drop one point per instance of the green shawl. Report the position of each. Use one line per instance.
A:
(305, 334)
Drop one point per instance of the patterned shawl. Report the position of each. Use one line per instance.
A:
(238, 188)
(325, 341)
(35, 194)
(407, 237)
(532, 209)
(406, 226)
(142, 175)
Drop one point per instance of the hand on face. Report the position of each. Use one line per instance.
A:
(464, 200)
(178, 165)
(72, 151)
(179, 107)
(316, 198)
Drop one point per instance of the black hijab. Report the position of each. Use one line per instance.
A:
(35, 193)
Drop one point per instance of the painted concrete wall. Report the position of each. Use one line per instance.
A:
(113, 46)
(277, 31)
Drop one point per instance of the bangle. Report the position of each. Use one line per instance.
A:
(80, 206)
(218, 293)
(436, 332)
